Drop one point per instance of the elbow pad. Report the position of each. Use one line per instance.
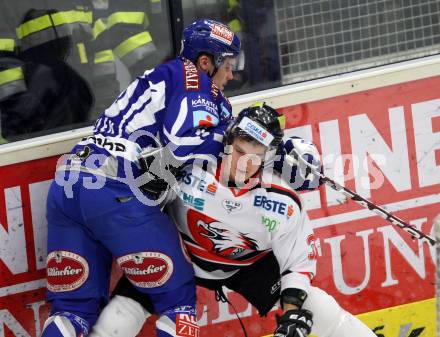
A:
(293, 296)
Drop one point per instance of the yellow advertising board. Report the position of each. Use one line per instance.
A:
(409, 320)
(416, 319)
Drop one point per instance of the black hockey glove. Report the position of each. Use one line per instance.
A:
(157, 173)
(294, 323)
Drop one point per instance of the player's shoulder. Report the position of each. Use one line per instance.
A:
(170, 71)
(276, 187)
(223, 102)
(185, 78)
(283, 194)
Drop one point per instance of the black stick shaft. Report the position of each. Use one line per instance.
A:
(414, 232)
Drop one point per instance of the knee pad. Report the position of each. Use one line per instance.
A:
(122, 317)
(65, 324)
(180, 321)
(330, 320)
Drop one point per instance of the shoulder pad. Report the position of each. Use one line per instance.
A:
(285, 192)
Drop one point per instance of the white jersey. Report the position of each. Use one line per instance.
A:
(226, 228)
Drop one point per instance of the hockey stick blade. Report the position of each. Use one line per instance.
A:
(414, 232)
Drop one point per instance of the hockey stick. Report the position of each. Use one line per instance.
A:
(414, 232)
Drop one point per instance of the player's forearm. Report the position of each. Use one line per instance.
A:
(292, 298)
(288, 306)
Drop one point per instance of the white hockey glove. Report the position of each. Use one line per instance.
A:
(294, 323)
(303, 178)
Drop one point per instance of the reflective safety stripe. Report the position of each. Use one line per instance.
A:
(190, 5)
(62, 18)
(156, 6)
(103, 69)
(204, 2)
(10, 75)
(104, 63)
(98, 28)
(235, 25)
(7, 44)
(49, 20)
(33, 26)
(104, 56)
(11, 82)
(46, 35)
(12, 88)
(82, 52)
(138, 54)
(232, 4)
(133, 18)
(132, 43)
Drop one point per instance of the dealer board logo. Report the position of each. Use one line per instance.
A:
(405, 330)
(146, 269)
(186, 324)
(66, 271)
(231, 205)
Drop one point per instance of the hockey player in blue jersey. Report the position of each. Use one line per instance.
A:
(95, 210)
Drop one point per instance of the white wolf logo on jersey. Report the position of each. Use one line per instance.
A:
(224, 241)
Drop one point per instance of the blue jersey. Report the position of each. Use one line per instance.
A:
(172, 105)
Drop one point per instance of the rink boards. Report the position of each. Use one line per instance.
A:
(379, 133)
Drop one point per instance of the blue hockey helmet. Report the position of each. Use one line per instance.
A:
(209, 37)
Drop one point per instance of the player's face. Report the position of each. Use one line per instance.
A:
(245, 160)
(224, 73)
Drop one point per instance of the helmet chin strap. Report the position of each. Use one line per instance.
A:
(216, 66)
(212, 74)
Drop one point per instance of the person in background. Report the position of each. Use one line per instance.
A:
(11, 67)
(48, 94)
(128, 38)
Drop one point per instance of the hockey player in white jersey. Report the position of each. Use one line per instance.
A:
(245, 229)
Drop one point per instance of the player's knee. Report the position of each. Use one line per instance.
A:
(180, 321)
(327, 313)
(182, 296)
(122, 317)
(124, 288)
(65, 324)
(330, 320)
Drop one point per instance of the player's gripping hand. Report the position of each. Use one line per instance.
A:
(306, 149)
(301, 176)
(158, 172)
(294, 323)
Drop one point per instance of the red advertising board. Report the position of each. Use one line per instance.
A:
(383, 143)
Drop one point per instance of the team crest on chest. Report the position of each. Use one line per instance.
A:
(219, 238)
(231, 205)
